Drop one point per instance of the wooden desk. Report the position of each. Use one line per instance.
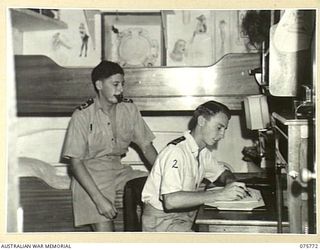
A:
(259, 220)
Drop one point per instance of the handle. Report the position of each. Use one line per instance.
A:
(306, 175)
(308, 93)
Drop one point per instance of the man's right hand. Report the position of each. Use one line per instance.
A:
(232, 191)
(105, 207)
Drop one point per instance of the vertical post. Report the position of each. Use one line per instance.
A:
(264, 65)
(279, 194)
(103, 40)
(304, 165)
(293, 186)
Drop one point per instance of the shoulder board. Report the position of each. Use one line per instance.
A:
(86, 104)
(176, 141)
(127, 100)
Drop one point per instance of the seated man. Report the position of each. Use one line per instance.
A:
(171, 193)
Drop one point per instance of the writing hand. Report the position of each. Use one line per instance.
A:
(247, 192)
(232, 191)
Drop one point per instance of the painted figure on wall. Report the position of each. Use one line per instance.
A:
(200, 51)
(222, 29)
(201, 25)
(85, 38)
(179, 51)
(59, 41)
(61, 47)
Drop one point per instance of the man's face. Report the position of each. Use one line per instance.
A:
(110, 87)
(213, 129)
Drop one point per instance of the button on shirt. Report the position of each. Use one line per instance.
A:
(180, 167)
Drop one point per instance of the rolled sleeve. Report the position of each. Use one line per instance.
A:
(142, 135)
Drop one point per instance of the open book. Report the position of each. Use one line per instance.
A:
(247, 203)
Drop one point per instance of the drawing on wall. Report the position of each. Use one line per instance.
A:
(222, 29)
(179, 52)
(136, 48)
(58, 41)
(84, 40)
(201, 25)
(201, 43)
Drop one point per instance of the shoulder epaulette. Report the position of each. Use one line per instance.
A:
(176, 141)
(127, 100)
(86, 104)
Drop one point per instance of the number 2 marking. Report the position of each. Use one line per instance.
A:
(175, 164)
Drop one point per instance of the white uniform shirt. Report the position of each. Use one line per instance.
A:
(179, 167)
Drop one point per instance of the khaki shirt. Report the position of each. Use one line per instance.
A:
(90, 132)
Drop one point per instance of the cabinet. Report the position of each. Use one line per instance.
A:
(28, 20)
(294, 158)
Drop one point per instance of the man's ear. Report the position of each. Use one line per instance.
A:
(201, 120)
(98, 84)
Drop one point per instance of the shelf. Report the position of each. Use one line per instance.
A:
(27, 20)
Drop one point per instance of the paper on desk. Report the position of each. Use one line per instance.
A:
(248, 203)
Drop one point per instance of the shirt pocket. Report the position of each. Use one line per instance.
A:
(97, 144)
(189, 183)
(125, 136)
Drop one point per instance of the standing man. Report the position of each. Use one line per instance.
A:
(99, 133)
(171, 193)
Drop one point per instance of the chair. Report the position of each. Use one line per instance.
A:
(132, 204)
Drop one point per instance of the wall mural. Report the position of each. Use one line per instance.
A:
(70, 47)
(176, 38)
(84, 40)
(200, 51)
(189, 39)
(59, 40)
(135, 47)
(179, 52)
(132, 40)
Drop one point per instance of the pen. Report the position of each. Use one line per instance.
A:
(246, 191)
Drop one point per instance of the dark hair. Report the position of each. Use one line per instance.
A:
(104, 70)
(207, 110)
(256, 25)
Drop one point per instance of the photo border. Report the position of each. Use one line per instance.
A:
(132, 237)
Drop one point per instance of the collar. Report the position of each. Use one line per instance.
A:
(191, 143)
(97, 104)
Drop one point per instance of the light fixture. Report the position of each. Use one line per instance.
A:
(257, 118)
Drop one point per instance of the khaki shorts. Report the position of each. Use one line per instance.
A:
(155, 220)
(110, 176)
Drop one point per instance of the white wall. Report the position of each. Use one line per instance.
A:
(223, 35)
(63, 45)
(42, 138)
